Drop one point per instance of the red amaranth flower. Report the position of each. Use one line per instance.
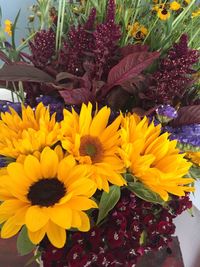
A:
(173, 77)
(43, 47)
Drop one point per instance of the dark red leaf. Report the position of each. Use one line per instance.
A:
(76, 96)
(187, 115)
(24, 72)
(130, 67)
(65, 75)
(130, 49)
(5, 58)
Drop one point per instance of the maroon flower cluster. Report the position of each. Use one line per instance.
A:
(42, 47)
(173, 78)
(133, 228)
(91, 50)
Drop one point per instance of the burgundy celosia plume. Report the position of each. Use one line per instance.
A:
(173, 77)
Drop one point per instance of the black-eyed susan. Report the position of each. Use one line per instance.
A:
(152, 158)
(8, 27)
(196, 13)
(27, 133)
(163, 14)
(175, 6)
(94, 143)
(47, 195)
(137, 31)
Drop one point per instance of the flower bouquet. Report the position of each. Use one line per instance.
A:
(100, 153)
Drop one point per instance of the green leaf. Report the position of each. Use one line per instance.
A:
(108, 201)
(129, 177)
(194, 172)
(24, 245)
(143, 238)
(33, 259)
(145, 193)
(14, 28)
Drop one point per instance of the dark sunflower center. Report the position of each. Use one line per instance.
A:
(92, 147)
(164, 11)
(46, 192)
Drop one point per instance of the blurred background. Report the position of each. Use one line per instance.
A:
(10, 9)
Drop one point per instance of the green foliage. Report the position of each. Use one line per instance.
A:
(145, 193)
(108, 201)
(194, 172)
(24, 245)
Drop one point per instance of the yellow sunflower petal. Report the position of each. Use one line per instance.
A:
(8, 208)
(85, 222)
(32, 168)
(37, 236)
(76, 219)
(56, 235)
(36, 218)
(61, 216)
(10, 228)
(81, 203)
(49, 163)
(98, 124)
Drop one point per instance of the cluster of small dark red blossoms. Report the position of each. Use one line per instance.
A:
(133, 228)
(43, 47)
(174, 75)
(90, 49)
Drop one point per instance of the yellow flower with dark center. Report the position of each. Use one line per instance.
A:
(137, 31)
(163, 14)
(94, 143)
(47, 195)
(175, 6)
(158, 7)
(152, 158)
(196, 13)
(194, 157)
(8, 27)
(27, 133)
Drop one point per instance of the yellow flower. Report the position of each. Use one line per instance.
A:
(94, 143)
(196, 13)
(8, 27)
(175, 6)
(163, 14)
(194, 157)
(137, 31)
(152, 158)
(48, 196)
(158, 7)
(28, 133)
(187, 1)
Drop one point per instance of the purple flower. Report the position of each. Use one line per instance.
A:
(166, 113)
(55, 104)
(187, 135)
(4, 106)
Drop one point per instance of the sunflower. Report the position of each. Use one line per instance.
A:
(152, 158)
(94, 143)
(47, 195)
(28, 133)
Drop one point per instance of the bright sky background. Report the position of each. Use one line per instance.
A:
(9, 11)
